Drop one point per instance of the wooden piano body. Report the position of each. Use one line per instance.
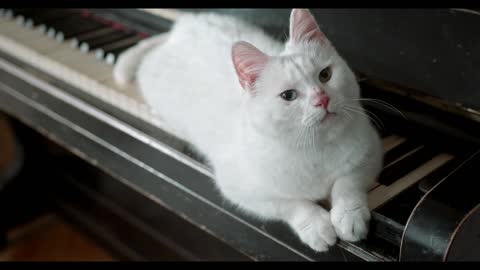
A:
(117, 173)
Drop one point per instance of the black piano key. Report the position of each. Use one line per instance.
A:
(433, 178)
(64, 22)
(72, 25)
(8, 14)
(400, 150)
(87, 46)
(24, 11)
(33, 17)
(87, 26)
(112, 56)
(400, 207)
(15, 12)
(71, 19)
(21, 14)
(42, 19)
(117, 47)
(384, 132)
(392, 173)
(76, 41)
(46, 14)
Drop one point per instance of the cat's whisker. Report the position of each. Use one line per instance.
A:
(297, 138)
(336, 103)
(384, 103)
(296, 135)
(309, 142)
(376, 117)
(363, 113)
(315, 141)
(286, 35)
(366, 111)
(348, 114)
(307, 120)
(295, 144)
(300, 139)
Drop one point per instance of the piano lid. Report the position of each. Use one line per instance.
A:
(434, 51)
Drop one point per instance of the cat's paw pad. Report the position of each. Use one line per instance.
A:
(317, 231)
(351, 223)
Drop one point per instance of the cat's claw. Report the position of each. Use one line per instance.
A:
(317, 232)
(351, 223)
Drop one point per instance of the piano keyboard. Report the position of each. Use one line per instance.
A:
(81, 51)
(80, 68)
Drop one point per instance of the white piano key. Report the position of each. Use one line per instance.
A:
(8, 14)
(86, 64)
(62, 53)
(8, 27)
(84, 73)
(29, 37)
(391, 141)
(403, 156)
(3, 20)
(381, 194)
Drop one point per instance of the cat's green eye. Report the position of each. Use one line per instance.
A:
(289, 95)
(325, 75)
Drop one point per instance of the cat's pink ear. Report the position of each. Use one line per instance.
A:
(248, 62)
(303, 27)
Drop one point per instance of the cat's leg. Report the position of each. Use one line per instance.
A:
(350, 214)
(309, 221)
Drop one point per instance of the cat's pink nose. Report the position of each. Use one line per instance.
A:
(321, 100)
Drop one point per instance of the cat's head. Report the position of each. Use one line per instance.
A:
(301, 90)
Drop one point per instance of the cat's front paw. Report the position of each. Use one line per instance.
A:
(316, 230)
(351, 223)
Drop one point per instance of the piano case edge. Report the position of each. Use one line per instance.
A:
(444, 224)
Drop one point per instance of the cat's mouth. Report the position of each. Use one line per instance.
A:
(319, 118)
(328, 115)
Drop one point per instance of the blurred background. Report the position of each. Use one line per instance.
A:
(33, 232)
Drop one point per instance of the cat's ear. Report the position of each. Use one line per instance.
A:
(303, 27)
(248, 62)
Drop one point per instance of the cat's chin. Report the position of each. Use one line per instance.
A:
(326, 120)
(332, 125)
(328, 117)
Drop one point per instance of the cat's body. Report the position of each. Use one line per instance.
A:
(271, 156)
(200, 49)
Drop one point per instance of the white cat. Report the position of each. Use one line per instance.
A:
(281, 124)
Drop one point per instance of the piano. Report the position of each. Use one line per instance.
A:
(112, 169)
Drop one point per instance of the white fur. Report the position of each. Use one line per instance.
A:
(271, 158)
(127, 65)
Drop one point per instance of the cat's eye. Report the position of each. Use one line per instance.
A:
(325, 74)
(289, 95)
